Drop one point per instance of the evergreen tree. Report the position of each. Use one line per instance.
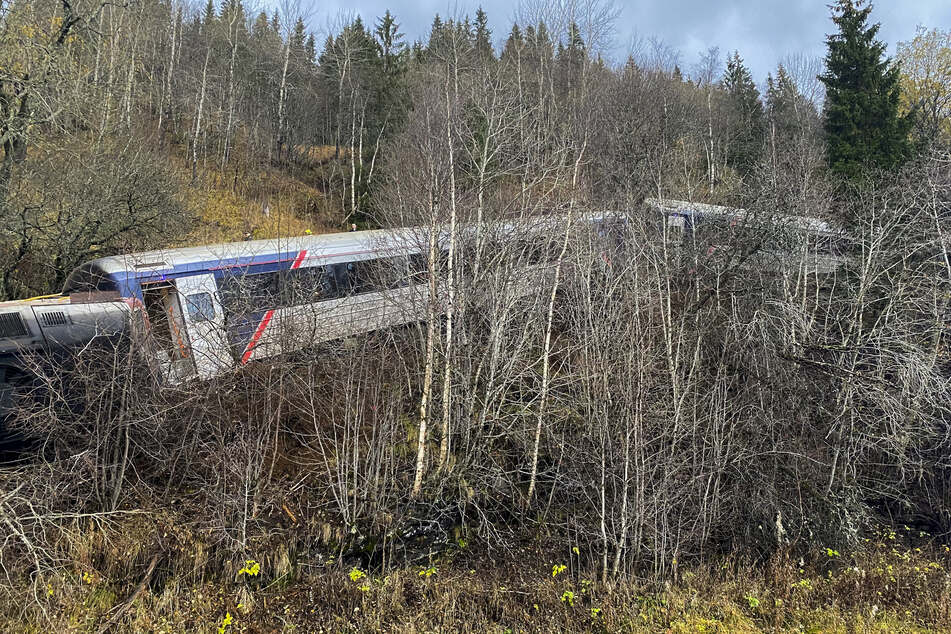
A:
(209, 12)
(483, 37)
(570, 59)
(747, 124)
(439, 41)
(260, 27)
(417, 53)
(788, 111)
(233, 10)
(388, 34)
(862, 121)
(514, 43)
(394, 95)
(298, 36)
(310, 49)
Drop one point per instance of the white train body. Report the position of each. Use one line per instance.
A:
(211, 309)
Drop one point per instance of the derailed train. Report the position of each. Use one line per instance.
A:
(210, 309)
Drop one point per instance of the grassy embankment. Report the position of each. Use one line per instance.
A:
(262, 201)
(898, 583)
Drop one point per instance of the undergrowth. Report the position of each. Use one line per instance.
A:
(899, 582)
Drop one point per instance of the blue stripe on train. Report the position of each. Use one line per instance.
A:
(240, 328)
(129, 284)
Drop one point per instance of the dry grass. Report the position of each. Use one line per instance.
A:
(251, 200)
(315, 155)
(899, 583)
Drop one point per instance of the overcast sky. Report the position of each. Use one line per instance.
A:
(764, 31)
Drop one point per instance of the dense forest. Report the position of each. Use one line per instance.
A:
(722, 438)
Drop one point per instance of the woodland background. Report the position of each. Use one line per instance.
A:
(679, 441)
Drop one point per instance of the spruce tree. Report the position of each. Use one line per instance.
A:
(483, 37)
(862, 121)
(438, 38)
(514, 44)
(747, 126)
(209, 12)
(394, 93)
(392, 47)
(789, 113)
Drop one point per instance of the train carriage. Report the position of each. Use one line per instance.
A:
(214, 308)
(211, 309)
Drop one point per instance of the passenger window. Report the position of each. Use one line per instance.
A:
(249, 293)
(359, 276)
(418, 268)
(341, 278)
(534, 251)
(307, 286)
(395, 272)
(200, 307)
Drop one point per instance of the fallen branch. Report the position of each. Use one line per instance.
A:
(135, 595)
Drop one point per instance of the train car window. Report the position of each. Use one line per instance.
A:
(537, 251)
(715, 231)
(395, 272)
(306, 286)
(613, 231)
(250, 293)
(363, 276)
(367, 276)
(341, 279)
(200, 307)
(229, 289)
(825, 244)
(418, 268)
(442, 261)
(386, 273)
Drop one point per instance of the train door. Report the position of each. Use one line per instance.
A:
(205, 322)
(169, 339)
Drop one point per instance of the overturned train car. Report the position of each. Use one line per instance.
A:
(210, 309)
(207, 310)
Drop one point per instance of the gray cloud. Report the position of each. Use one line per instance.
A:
(763, 31)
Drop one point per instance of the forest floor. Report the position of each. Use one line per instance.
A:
(896, 583)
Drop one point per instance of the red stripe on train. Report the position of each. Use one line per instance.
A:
(300, 258)
(267, 317)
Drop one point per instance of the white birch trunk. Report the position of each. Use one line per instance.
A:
(451, 292)
(201, 105)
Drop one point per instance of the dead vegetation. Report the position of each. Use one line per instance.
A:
(618, 430)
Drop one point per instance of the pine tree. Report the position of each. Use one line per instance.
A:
(438, 38)
(209, 12)
(571, 59)
(862, 121)
(260, 28)
(310, 50)
(298, 36)
(393, 92)
(747, 121)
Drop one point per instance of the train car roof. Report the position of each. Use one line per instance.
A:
(323, 244)
(801, 223)
(328, 244)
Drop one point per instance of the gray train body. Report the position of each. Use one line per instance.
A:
(211, 309)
